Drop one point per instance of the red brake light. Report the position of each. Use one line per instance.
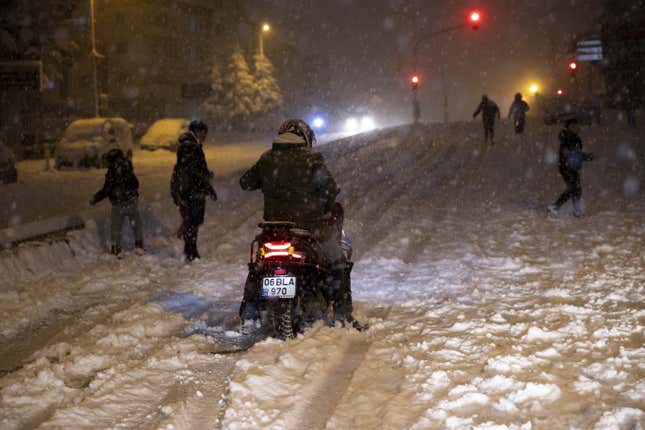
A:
(279, 249)
(277, 246)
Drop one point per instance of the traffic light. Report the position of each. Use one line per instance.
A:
(415, 80)
(560, 91)
(474, 17)
(573, 67)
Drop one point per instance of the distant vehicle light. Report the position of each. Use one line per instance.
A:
(367, 123)
(318, 122)
(560, 92)
(351, 125)
(475, 16)
(573, 65)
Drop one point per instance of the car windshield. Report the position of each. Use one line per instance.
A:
(85, 129)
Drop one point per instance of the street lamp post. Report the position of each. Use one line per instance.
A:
(264, 29)
(94, 60)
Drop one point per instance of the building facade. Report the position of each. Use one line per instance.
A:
(155, 61)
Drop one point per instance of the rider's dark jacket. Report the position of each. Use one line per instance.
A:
(296, 184)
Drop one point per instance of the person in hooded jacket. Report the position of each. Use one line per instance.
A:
(190, 185)
(517, 113)
(570, 159)
(489, 111)
(298, 187)
(121, 187)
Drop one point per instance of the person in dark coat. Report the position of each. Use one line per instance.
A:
(190, 185)
(121, 187)
(298, 187)
(489, 111)
(517, 113)
(570, 159)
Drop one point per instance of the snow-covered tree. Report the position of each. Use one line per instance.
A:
(238, 92)
(268, 94)
(213, 106)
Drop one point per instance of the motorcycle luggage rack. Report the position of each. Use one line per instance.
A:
(277, 225)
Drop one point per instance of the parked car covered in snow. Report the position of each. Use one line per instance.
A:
(163, 134)
(86, 141)
(8, 172)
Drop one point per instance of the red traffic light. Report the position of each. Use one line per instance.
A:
(560, 92)
(475, 18)
(415, 79)
(573, 66)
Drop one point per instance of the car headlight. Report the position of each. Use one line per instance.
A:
(367, 123)
(351, 125)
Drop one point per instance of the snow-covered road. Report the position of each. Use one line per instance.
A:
(484, 313)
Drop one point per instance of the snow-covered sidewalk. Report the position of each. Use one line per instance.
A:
(41, 194)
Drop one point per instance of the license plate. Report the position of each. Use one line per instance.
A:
(283, 287)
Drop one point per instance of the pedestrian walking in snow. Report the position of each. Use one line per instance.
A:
(517, 113)
(190, 185)
(489, 111)
(570, 159)
(121, 187)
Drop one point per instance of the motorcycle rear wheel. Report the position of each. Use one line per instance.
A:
(282, 319)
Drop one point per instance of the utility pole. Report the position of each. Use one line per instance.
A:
(442, 69)
(95, 57)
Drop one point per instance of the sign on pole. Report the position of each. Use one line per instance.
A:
(589, 50)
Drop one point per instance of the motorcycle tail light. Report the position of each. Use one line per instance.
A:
(278, 249)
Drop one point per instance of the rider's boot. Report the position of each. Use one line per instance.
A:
(249, 312)
(342, 297)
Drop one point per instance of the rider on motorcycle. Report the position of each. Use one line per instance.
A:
(298, 187)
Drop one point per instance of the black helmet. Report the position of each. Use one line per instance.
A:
(569, 121)
(113, 155)
(299, 128)
(196, 126)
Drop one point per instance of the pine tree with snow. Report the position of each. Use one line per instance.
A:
(238, 92)
(213, 106)
(268, 96)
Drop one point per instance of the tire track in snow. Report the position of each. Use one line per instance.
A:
(320, 400)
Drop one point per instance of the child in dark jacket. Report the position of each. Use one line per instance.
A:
(121, 187)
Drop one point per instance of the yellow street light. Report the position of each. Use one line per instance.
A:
(534, 88)
(265, 28)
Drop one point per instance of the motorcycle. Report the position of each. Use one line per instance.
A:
(293, 276)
